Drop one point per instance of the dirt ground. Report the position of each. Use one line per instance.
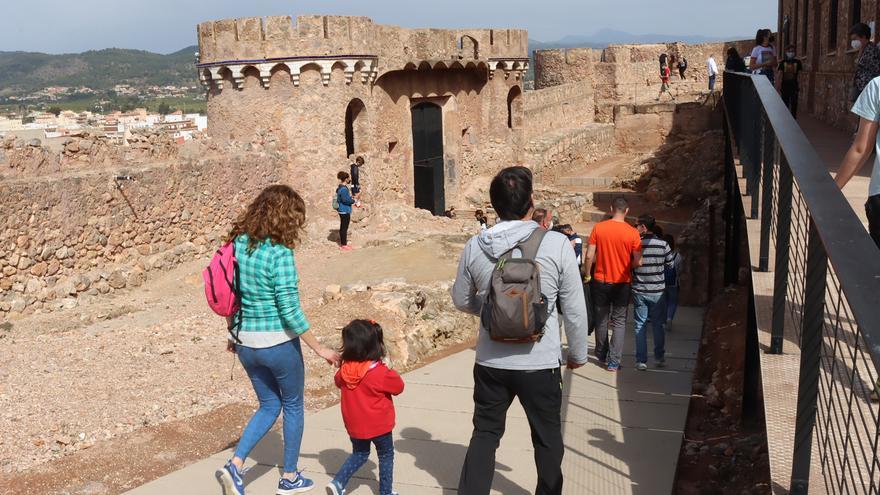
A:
(85, 384)
(724, 452)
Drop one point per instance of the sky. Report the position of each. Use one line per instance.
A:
(164, 26)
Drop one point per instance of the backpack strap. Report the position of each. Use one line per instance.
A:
(528, 247)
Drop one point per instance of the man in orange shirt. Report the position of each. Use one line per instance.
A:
(615, 248)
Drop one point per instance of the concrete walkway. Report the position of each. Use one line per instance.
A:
(780, 372)
(622, 432)
(832, 144)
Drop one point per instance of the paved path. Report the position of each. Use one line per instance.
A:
(622, 432)
(779, 372)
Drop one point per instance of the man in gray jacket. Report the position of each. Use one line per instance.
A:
(530, 371)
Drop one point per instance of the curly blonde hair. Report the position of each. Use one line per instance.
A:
(278, 214)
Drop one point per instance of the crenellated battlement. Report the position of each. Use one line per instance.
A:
(354, 42)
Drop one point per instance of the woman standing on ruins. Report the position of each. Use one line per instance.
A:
(271, 324)
(345, 202)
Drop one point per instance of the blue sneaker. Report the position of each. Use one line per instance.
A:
(334, 488)
(230, 480)
(613, 366)
(297, 485)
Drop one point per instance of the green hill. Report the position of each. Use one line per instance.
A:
(25, 72)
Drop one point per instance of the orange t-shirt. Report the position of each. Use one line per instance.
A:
(615, 243)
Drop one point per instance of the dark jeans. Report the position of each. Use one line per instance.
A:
(540, 393)
(344, 221)
(790, 98)
(872, 209)
(359, 455)
(611, 302)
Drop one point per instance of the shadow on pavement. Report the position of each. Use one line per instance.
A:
(427, 451)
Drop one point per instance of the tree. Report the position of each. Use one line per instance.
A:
(55, 110)
(164, 108)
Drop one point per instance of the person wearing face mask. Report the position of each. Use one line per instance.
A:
(790, 68)
(867, 59)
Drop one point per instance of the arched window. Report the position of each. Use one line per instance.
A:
(469, 47)
(355, 119)
(514, 107)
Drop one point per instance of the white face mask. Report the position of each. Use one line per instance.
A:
(789, 54)
(550, 227)
(856, 44)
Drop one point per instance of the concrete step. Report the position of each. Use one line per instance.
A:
(609, 196)
(586, 181)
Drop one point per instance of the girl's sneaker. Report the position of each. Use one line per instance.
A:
(230, 480)
(333, 488)
(299, 484)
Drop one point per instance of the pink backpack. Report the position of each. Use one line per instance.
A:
(222, 283)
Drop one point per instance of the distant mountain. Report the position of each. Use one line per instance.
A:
(24, 72)
(605, 37)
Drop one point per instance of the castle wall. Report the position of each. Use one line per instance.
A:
(332, 61)
(564, 106)
(78, 235)
(258, 38)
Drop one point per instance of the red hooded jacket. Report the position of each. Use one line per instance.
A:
(367, 387)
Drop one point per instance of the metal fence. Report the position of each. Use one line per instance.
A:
(826, 286)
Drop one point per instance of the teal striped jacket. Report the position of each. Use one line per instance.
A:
(269, 289)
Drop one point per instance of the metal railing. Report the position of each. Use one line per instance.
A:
(826, 291)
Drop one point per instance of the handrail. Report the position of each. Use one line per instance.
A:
(849, 248)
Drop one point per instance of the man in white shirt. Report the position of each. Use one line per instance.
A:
(712, 66)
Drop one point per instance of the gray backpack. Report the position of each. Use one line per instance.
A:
(515, 311)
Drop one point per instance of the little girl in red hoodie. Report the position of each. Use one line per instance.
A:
(367, 409)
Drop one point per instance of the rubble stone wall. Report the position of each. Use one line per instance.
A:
(558, 152)
(646, 127)
(82, 235)
(557, 107)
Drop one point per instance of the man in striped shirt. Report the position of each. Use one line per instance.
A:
(649, 283)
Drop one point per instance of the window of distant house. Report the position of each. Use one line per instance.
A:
(832, 25)
(855, 12)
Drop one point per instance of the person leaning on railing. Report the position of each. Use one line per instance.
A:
(867, 107)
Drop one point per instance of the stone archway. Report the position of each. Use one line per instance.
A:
(514, 107)
(428, 175)
(355, 118)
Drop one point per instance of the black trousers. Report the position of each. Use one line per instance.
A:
(344, 221)
(790, 98)
(540, 393)
(872, 209)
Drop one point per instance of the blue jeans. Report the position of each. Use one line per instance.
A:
(277, 375)
(671, 302)
(653, 305)
(360, 454)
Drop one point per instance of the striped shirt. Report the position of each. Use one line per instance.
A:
(271, 313)
(650, 278)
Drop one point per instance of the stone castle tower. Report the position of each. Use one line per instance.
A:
(429, 109)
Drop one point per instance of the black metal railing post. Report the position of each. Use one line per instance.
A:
(811, 354)
(754, 187)
(783, 247)
(730, 207)
(769, 141)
